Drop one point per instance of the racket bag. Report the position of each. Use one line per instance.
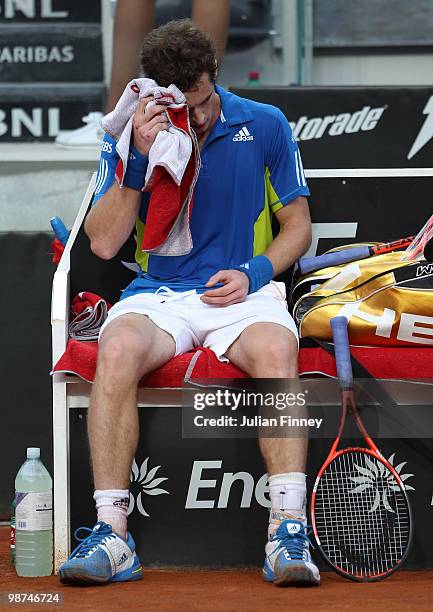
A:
(388, 302)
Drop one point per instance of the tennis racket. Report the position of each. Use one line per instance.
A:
(422, 244)
(360, 513)
(310, 264)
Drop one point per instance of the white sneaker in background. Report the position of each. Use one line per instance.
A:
(88, 136)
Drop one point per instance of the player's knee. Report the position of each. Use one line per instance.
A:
(120, 355)
(280, 357)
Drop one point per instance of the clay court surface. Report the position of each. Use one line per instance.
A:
(228, 590)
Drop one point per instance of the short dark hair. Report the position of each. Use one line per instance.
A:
(178, 52)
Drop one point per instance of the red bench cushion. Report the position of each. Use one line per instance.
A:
(394, 362)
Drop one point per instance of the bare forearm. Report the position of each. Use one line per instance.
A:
(290, 244)
(111, 220)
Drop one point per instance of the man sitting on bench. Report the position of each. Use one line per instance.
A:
(220, 295)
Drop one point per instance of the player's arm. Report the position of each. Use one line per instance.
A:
(115, 210)
(292, 241)
(294, 236)
(287, 192)
(111, 220)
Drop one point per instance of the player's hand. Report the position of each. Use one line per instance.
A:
(234, 290)
(146, 126)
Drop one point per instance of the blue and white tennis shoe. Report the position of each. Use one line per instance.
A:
(101, 557)
(288, 561)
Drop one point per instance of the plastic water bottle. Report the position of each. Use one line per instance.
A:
(12, 538)
(60, 230)
(254, 79)
(34, 517)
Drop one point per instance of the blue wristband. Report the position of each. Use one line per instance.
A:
(135, 170)
(259, 271)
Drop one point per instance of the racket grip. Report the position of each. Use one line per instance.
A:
(310, 264)
(342, 352)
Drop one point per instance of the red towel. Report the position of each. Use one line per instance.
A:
(80, 359)
(400, 363)
(201, 363)
(86, 299)
(57, 249)
(167, 198)
(88, 314)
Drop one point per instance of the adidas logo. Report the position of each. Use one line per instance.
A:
(243, 134)
(123, 502)
(122, 559)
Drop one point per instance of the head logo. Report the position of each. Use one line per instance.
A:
(375, 477)
(143, 482)
(412, 327)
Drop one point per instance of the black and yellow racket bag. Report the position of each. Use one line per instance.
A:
(388, 302)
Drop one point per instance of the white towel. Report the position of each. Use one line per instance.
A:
(172, 148)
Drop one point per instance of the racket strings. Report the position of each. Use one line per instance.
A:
(362, 516)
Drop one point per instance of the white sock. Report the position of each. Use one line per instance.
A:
(112, 507)
(288, 493)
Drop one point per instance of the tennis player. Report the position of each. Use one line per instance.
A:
(221, 295)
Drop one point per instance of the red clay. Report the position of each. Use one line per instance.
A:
(224, 591)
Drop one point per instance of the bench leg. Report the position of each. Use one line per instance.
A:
(61, 475)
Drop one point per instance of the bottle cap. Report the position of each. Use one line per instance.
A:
(60, 230)
(33, 453)
(254, 75)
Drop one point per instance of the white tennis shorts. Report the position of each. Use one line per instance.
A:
(192, 323)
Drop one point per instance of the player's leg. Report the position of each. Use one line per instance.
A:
(267, 350)
(260, 337)
(133, 20)
(213, 17)
(130, 346)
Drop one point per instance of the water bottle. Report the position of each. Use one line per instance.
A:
(34, 518)
(60, 230)
(254, 79)
(12, 538)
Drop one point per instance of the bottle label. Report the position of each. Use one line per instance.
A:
(34, 511)
(12, 540)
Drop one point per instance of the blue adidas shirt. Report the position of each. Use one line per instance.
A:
(251, 167)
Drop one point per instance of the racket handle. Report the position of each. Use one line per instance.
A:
(342, 352)
(310, 264)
